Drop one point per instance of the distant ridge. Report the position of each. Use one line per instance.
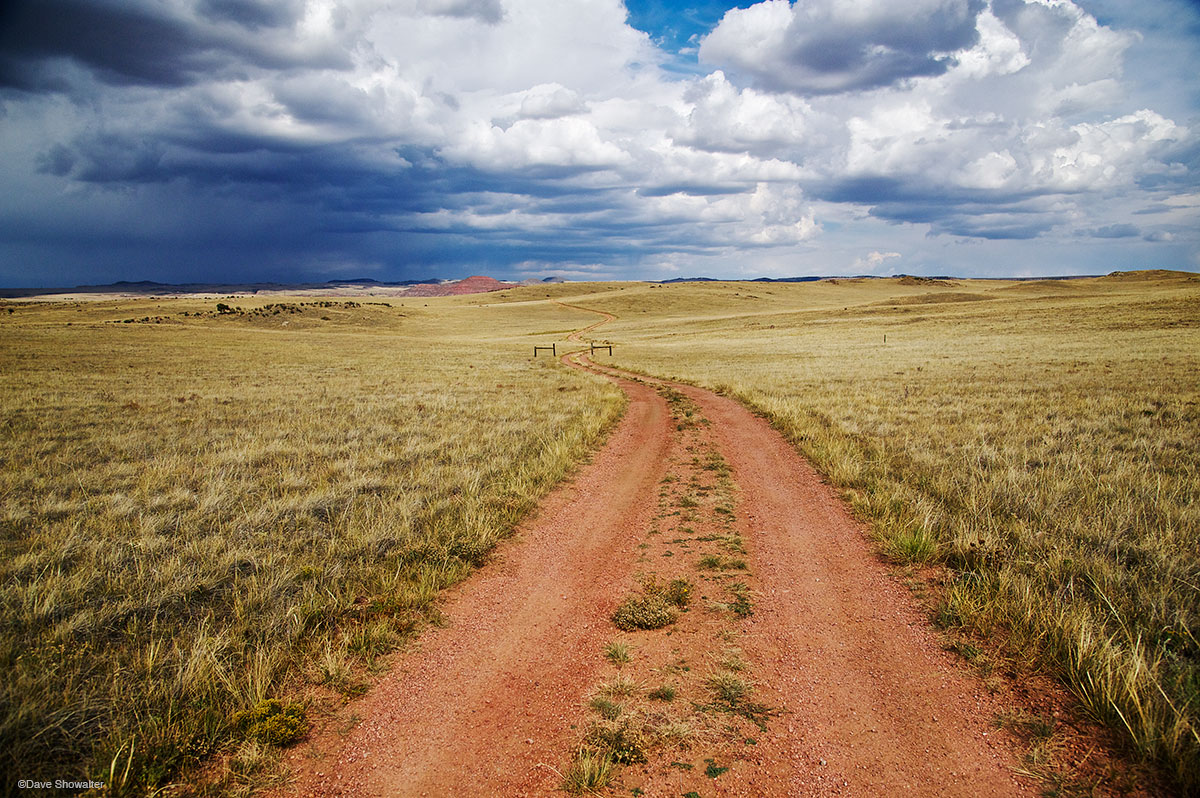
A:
(810, 279)
(358, 286)
(742, 280)
(476, 284)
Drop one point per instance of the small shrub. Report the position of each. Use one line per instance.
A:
(272, 722)
(677, 592)
(713, 562)
(655, 607)
(644, 612)
(623, 742)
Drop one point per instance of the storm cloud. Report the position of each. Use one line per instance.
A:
(238, 139)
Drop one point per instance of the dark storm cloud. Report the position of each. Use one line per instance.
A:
(1182, 160)
(124, 44)
(57, 161)
(1115, 231)
(253, 14)
(288, 139)
(996, 225)
(693, 189)
(824, 47)
(988, 215)
(147, 44)
(489, 11)
(880, 52)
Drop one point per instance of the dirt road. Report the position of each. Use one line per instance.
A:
(856, 695)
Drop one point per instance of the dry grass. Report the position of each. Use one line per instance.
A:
(203, 512)
(208, 511)
(1041, 441)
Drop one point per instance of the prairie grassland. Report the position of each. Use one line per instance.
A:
(1040, 439)
(207, 510)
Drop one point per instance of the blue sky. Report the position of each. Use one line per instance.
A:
(296, 140)
(678, 26)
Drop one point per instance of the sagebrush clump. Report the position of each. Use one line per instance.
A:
(656, 606)
(622, 741)
(272, 722)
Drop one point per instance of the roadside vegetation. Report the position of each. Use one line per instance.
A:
(208, 518)
(681, 696)
(1038, 439)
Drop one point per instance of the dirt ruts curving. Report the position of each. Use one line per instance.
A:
(858, 696)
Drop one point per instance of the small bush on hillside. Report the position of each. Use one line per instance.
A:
(272, 722)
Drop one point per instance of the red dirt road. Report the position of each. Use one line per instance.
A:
(869, 703)
(873, 703)
(487, 701)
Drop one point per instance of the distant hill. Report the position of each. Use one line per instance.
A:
(478, 284)
(359, 286)
(743, 280)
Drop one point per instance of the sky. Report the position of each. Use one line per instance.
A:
(310, 140)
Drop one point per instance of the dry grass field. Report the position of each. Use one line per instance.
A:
(202, 511)
(1041, 439)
